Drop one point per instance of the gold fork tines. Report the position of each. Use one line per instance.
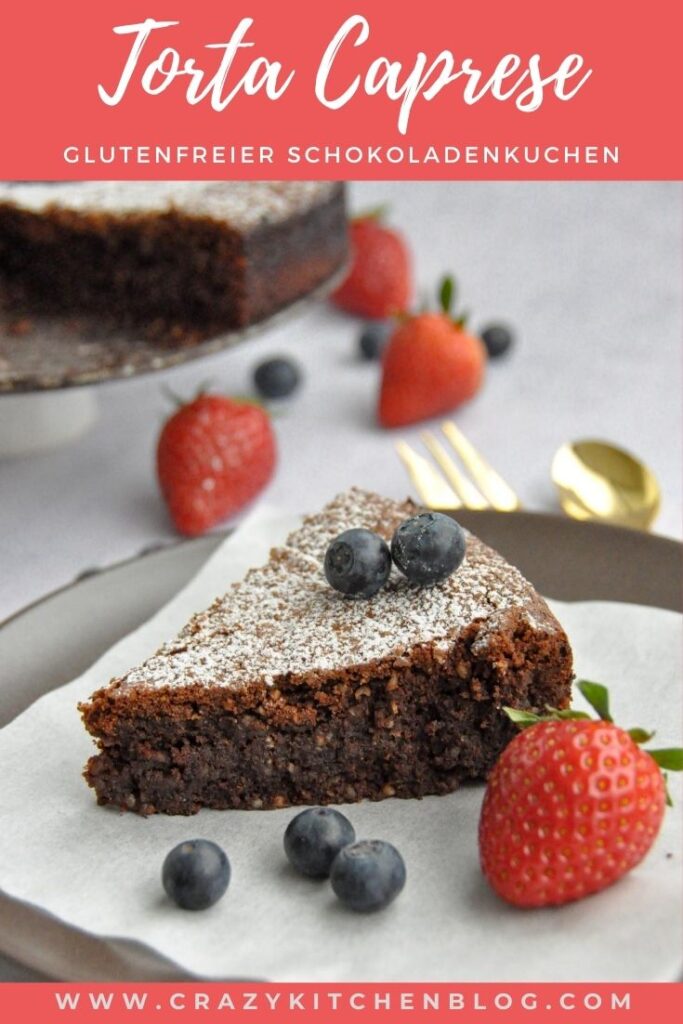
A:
(499, 493)
(431, 487)
(464, 488)
(452, 488)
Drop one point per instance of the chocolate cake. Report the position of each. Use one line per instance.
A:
(285, 692)
(180, 261)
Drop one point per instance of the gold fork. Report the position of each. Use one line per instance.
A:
(448, 487)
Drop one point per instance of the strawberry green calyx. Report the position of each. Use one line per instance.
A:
(523, 719)
(378, 213)
(178, 401)
(640, 735)
(447, 293)
(597, 695)
(208, 388)
(670, 758)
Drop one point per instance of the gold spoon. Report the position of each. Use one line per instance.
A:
(597, 480)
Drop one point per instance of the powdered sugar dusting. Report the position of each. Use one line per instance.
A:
(284, 620)
(243, 204)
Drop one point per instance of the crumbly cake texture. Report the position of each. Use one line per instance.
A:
(175, 261)
(285, 692)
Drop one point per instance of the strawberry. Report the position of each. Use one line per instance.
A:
(430, 365)
(379, 282)
(213, 456)
(571, 805)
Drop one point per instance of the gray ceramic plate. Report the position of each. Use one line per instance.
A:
(46, 645)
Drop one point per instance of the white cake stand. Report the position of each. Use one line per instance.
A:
(48, 369)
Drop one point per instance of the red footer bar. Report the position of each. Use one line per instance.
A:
(632, 1003)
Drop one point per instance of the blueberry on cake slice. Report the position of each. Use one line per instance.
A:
(285, 691)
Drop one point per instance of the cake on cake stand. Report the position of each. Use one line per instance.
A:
(103, 281)
(48, 370)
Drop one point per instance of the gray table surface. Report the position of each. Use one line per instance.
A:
(589, 274)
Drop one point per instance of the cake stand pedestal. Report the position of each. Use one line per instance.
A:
(34, 423)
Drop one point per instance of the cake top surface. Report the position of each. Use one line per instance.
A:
(243, 204)
(283, 620)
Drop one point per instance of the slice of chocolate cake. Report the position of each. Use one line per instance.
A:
(175, 261)
(286, 692)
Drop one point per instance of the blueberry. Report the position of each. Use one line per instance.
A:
(373, 338)
(196, 874)
(277, 378)
(428, 547)
(368, 875)
(314, 838)
(357, 563)
(498, 338)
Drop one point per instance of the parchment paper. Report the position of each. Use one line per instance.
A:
(97, 870)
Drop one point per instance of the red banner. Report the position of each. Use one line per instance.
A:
(282, 1004)
(171, 89)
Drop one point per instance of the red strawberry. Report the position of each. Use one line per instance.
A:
(430, 366)
(571, 805)
(213, 456)
(379, 282)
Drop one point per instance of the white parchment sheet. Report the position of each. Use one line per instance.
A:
(98, 870)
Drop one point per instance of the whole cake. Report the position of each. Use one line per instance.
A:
(178, 261)
(285, 692)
